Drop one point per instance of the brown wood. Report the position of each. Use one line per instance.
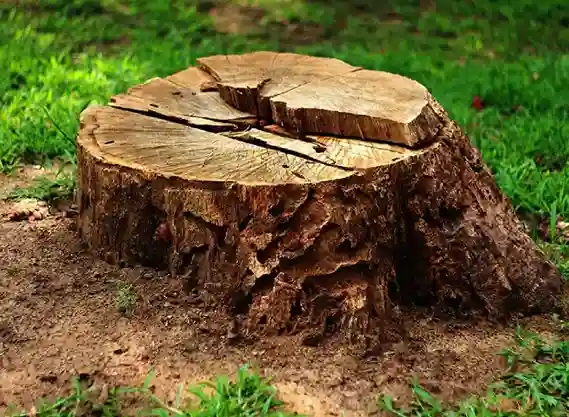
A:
(290, 231)
(325, 96)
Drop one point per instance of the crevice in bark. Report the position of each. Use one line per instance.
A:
(286, 228)
(264, 283)
(310, 255)
(277, 209)
(294, 220)
(219, 231)
(151, 252)
(240, 302)
(337, 299)
(245, 222)
(190, 260)
(243, 300)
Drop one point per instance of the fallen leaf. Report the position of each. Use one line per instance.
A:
(508, 405)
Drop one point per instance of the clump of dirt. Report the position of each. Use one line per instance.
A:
(60, 317)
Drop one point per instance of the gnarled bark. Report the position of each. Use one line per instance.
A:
(303, 194)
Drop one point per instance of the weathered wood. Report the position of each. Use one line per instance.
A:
(325, 96)
(164, 98)
(300, 232)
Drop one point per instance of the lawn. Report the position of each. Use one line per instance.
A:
(501, 69)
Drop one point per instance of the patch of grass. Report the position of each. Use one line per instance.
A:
(480, 29)
(536, 384)
(48, 189)
(126, 298)
(248, 395)
(83, 401)
(559, 254)
(60, 56)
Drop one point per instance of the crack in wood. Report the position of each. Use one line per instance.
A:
(249, 138)
(184, 121)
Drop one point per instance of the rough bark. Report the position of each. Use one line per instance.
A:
(292, 232)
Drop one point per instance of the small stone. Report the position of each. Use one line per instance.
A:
(350, 393)
(29, 209)
(147, 275)
(190, 346)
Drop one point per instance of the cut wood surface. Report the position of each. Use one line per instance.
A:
(325, 96)
(300, 199)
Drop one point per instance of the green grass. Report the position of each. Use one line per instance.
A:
(58, 56)
(125, 299)
(536, 384)
(248, 395)
(46, 188)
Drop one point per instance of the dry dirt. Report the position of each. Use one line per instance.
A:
(59, 318)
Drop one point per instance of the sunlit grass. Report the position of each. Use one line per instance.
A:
(535, 384)
(246, 395)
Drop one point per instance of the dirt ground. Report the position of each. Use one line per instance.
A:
(59, 319)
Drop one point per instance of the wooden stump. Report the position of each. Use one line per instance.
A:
(303, 194)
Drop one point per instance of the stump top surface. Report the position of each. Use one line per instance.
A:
(263, 118)
(325, 96)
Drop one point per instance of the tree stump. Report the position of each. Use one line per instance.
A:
(304, 195)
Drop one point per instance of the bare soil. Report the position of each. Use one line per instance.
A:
(236, 18)
(59, 319)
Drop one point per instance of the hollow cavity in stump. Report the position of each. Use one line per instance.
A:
(303, 194)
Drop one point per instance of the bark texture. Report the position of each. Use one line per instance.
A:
(206, 174)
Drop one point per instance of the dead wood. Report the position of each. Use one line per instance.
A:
(304, 195)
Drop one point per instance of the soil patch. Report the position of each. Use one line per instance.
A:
(233, 18)
(59, 318)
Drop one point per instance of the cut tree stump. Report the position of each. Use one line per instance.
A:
(303, 195)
